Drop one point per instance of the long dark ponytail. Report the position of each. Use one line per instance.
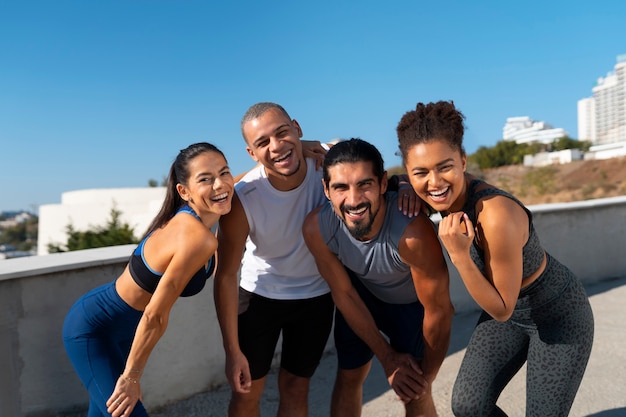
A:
(179, 174)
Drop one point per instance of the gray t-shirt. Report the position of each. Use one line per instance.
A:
(375, 262)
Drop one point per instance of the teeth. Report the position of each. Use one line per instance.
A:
(281, 157)
(220, 197)
(357, 212)
(439, 193)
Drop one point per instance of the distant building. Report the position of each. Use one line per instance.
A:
(13, 218)
(602, 117)
(553, 158)
(85, 209)
(524, 130)
(587, 119)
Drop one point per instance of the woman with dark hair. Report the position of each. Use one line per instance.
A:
(110, 332)
(535, 311)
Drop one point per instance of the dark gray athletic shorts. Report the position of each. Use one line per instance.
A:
(401, 323)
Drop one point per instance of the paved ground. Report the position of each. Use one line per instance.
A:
(602, 393)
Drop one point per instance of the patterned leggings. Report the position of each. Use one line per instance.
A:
(551, 329)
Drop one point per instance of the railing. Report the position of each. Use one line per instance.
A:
(36, 292)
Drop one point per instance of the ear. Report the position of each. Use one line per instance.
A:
(325, 189)
(297, 126)
(464, 161)
(384, 182)
(251, 153)
(182, 192)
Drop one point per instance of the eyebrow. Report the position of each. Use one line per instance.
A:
(224, 168)
(359, 183)
(437, 164)
(274, 131)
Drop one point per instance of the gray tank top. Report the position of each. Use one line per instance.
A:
(532, 252)
(375, 262)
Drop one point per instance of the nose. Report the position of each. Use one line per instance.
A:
(222, 181)
(433, 178)
(274, 144)
(353, 197)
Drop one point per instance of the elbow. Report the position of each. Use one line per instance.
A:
(155, 320)
(502, 315)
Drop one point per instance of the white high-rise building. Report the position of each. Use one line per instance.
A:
(587, 119)
(524, 130)
(604, 113)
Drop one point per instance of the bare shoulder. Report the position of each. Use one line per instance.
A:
(500, 210)
(420, 235)
(311, 222)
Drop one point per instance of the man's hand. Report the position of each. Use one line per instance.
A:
(405, 376)
(238, 373)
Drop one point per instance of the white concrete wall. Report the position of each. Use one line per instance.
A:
(85, 209)
(37, 379)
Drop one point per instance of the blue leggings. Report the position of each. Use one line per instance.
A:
(551, 329)
(97, 333)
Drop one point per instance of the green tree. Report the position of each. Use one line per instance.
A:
(113, 233)
(22, 236)
(566, 142)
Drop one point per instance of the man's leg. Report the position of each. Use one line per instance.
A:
(305, 335)
(422, 407)
(294, 394)
(347, 396)
(247, 405)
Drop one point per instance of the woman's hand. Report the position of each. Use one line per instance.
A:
(125, 396)
(457, 233)
(408, 201)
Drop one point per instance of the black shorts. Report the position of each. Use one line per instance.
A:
(400, 323)
(305, 326)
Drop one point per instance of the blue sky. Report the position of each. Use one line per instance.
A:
(103, 94)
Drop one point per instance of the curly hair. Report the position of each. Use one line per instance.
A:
(428, 122)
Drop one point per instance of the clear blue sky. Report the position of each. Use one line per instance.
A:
(103, 94)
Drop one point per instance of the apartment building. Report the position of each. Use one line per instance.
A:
(602, 117)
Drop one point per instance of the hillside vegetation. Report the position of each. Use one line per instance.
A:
(576, 181)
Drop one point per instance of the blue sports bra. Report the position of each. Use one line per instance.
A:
(148, 279)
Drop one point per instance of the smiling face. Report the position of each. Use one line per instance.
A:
(356, 196)
(437, 173)
(210, 186)
(274, 141)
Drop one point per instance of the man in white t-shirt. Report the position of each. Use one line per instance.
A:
(281, 290)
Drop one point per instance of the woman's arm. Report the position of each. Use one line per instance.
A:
(502, 231)
(194, 246)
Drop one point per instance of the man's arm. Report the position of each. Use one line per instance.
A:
(402, 370)
(232, 233)
(420, 248)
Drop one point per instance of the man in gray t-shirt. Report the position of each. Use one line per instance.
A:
(387, 274)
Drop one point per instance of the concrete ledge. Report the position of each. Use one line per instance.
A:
(37, 379)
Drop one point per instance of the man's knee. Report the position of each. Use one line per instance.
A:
(293, 386)
(353, 377)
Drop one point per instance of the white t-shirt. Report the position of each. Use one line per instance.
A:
(277, 263)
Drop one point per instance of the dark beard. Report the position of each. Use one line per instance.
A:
(363, 228)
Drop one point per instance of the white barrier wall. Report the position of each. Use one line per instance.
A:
(37, 379)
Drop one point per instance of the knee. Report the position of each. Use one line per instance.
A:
(292, 386)
(462, 406)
